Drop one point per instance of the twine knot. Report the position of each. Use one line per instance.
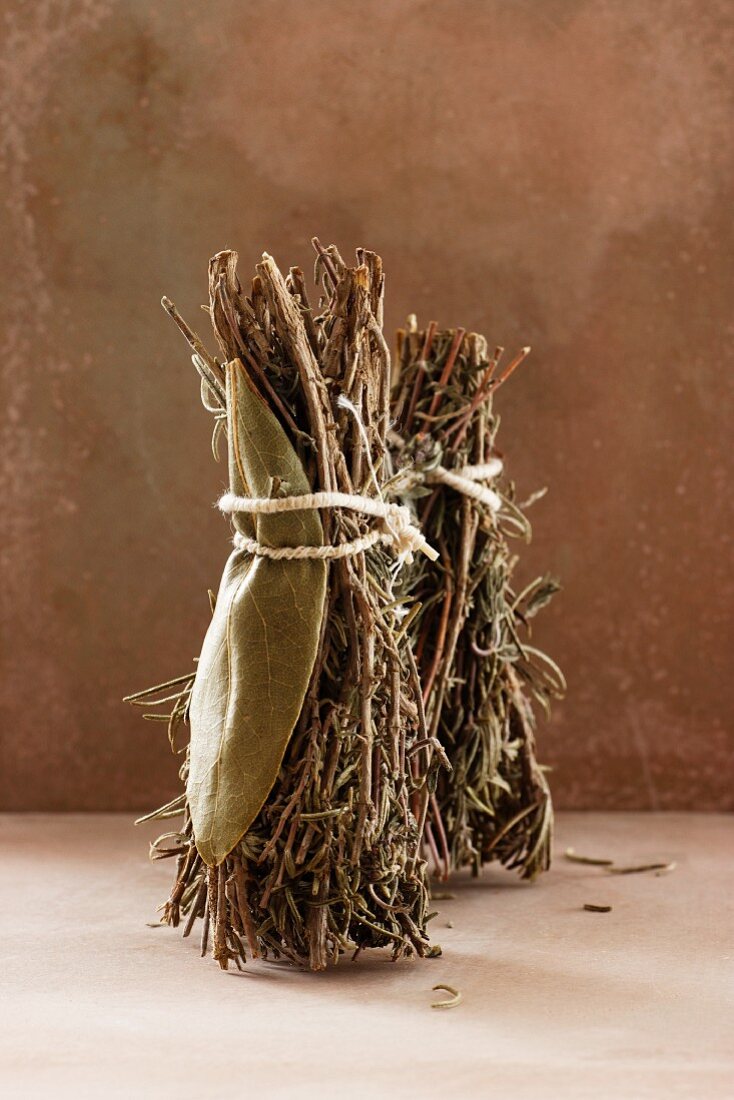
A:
(405, 537)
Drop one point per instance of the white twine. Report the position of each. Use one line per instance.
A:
(467, 481)
(487, 470)
(464, 480)
(396, 527)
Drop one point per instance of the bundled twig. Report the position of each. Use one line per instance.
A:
(476, 669)
(328, 858)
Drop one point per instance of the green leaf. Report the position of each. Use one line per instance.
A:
(260, 648)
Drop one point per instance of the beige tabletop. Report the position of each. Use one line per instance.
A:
(557, 1001)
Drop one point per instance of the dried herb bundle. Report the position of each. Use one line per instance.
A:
(476, 669)
(308, 765)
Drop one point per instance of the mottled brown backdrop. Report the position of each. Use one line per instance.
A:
(552, 172)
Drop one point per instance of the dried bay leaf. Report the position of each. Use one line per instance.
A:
(260, 648)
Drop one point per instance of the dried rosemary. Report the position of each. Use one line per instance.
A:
(477, 670)
(309, 758)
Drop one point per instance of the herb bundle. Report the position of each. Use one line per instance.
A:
(477, 670)
(308, 766)
(330, 681)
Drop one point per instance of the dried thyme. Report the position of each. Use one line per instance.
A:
(478, 669)
(331, 860)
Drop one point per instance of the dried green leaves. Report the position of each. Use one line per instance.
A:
(259, 651)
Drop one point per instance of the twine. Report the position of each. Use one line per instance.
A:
(466, 481)
(396, 527)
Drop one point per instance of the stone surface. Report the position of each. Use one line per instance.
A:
(557, 1002)
(557, 173)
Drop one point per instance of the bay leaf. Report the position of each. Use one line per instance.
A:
(260, 648)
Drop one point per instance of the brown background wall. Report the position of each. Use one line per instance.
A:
(555, 172)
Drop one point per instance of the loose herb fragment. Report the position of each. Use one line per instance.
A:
(610, 867)
(570, 854)
(659, 868)
(455, 1000)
